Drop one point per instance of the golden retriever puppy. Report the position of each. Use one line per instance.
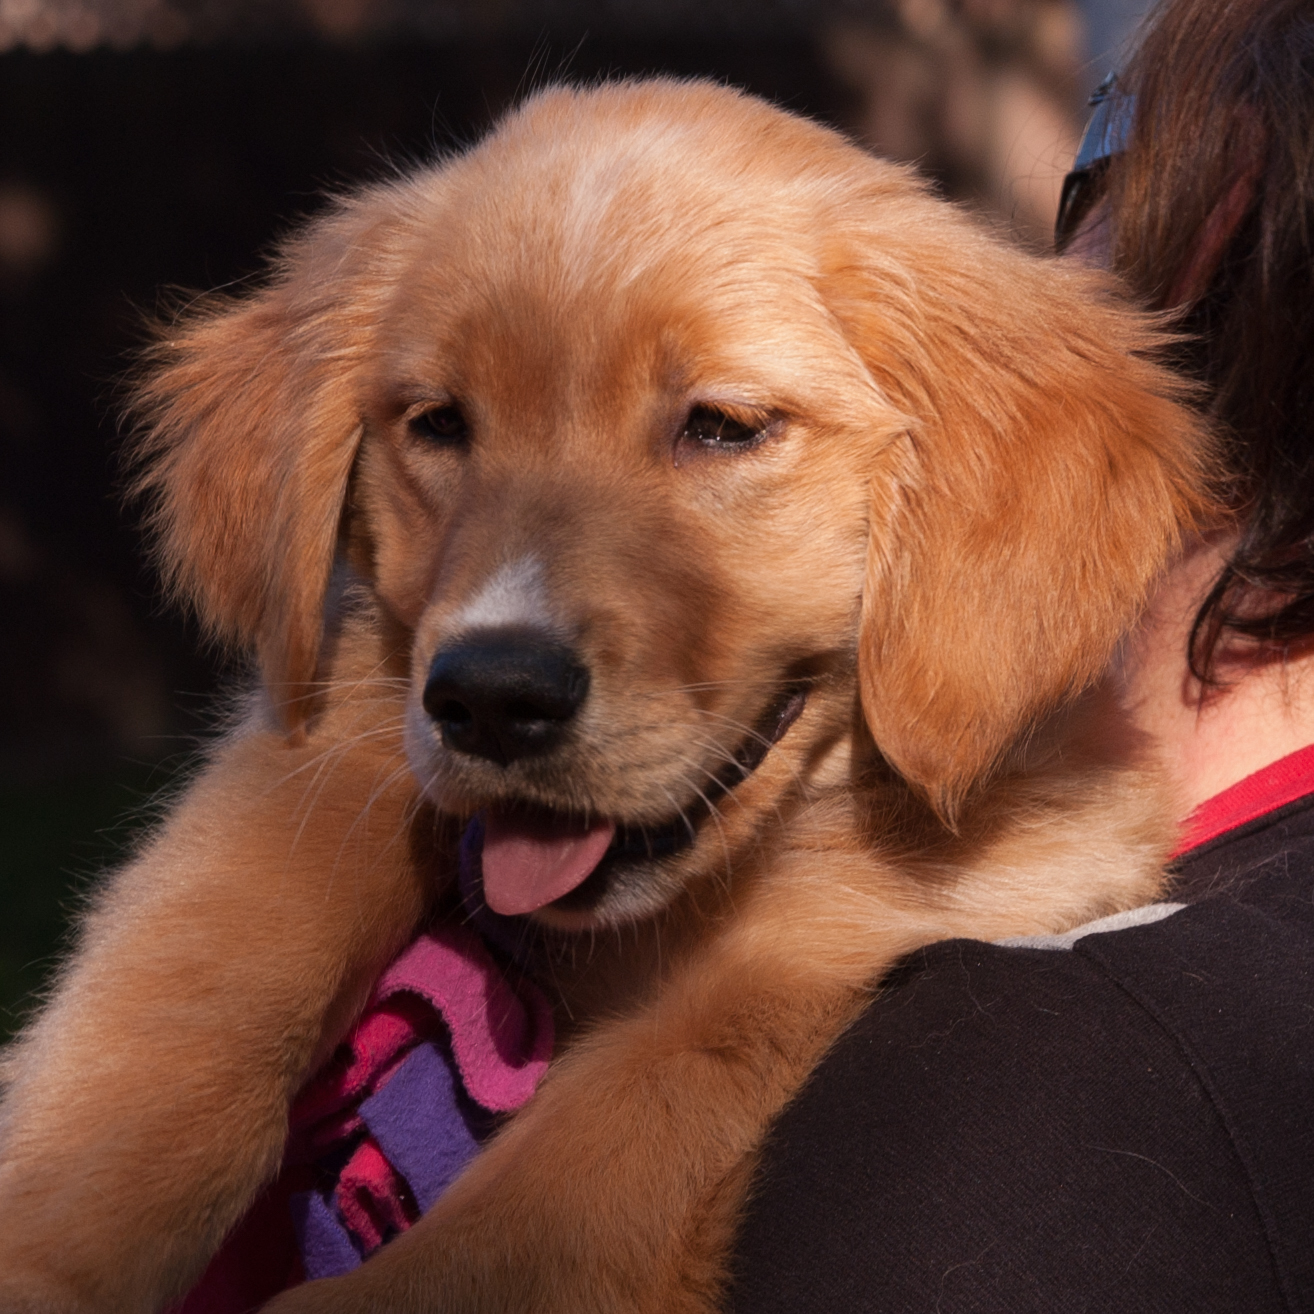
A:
(742, 534)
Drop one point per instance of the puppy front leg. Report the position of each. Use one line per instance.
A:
(148, 1102)
(608, 1192)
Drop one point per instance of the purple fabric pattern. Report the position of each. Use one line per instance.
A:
(326, 1245)
(424, 1124)
(449, 1040)
(443, 1046)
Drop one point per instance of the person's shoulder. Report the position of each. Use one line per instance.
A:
(1122, 1109)
(1009, 1128)
(1259, 862)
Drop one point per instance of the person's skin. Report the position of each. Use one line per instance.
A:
(1262, 706)
(1261, 709)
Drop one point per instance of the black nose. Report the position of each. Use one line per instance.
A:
(504, 694)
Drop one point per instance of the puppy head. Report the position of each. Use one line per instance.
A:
(674, 422)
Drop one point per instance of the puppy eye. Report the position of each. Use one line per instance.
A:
(444, 424)
(714, 428)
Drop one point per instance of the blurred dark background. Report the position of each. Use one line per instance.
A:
(153, 145)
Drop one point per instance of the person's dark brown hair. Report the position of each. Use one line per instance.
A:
(1223, 142)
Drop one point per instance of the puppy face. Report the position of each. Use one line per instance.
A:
(682, 438)
(615, 480)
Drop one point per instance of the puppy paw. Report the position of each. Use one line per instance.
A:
(22, 1293)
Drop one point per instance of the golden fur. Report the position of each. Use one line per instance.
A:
(968, 475)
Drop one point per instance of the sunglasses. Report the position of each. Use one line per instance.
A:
(1106, 136)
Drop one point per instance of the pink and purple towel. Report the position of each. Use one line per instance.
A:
(445, 1045)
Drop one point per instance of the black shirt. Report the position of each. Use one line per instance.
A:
(1125, 1125)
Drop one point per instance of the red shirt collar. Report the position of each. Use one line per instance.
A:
(1270, 788)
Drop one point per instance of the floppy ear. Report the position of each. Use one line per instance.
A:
(250, 421)
(1048, 471)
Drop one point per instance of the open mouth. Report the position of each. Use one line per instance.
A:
(533, 856)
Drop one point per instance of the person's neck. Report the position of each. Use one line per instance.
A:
(1261, 710)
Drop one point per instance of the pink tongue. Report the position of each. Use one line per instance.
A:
(531, 858)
